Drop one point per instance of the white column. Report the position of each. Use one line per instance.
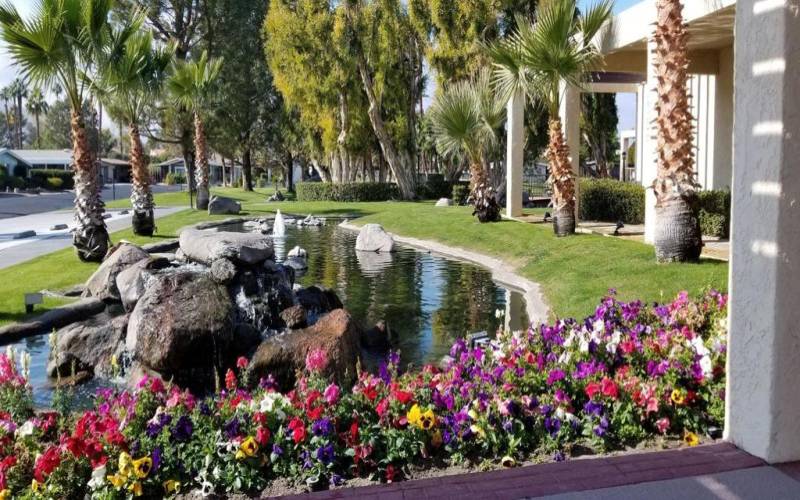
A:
(515, 128)
(763, 395)
(648, 146)
(570, 114)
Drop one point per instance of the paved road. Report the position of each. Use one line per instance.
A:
(12, 205)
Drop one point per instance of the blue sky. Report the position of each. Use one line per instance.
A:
(619, 5)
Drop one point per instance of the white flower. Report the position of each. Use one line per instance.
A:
(705, 365)
(598, 326)
(499, 313)
(565, 357)
(98, 478)
(612, 345)
(26, 429)
(699, 347)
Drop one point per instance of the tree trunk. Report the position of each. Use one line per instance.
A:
(90, 237)
(323, 172)
(288, 165)
(141, 194)
(678, 236)
(481, 194)
(19, 121)
(201, 162)
(38, 135)
(562, 180)
(247, 170)
(401, 165)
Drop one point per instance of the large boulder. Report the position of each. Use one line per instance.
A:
(283, 356)
(103, 283)
(261, 293)
(294, 317)
(244, 248)
(318, 300)
(219, 205)
(131, 280)
(444, 202)
(182, 327)
(87, 346)
(373, 238)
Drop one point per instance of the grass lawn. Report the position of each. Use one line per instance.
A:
(575, 272)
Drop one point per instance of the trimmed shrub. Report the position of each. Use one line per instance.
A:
(172, 178)
(354, 191)
(11, 182)
(460, 193)
(611, 200)
(433, 187)
(715, 213)
(54, 183)
(40, 177)
(20, 170)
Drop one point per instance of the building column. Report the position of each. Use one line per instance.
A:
(649, 166)
(763, 399)
(515, 128)
(570, 114)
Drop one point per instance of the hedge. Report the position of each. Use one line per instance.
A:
(715, 213)
(611, 200)
(38, 177)
(347, 192)
(433, 187)
(460, 193)
(10, 182)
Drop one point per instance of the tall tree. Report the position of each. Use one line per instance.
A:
(466, 117)
(542, 57)
(58, 44)
(37, 106)
(190, 84)
(19, 91)
(130, 81)
(599, 128)
(7, 94)
(678, 237)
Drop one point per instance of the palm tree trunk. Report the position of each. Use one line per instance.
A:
(247, 170)
(201, 162)
(38, 134)
(141, 194)
(91, 236)
(678, 237)
(562, 180)
(482, 195)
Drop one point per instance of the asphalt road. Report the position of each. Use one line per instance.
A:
(17, 205)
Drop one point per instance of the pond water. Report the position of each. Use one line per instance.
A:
(428, 301)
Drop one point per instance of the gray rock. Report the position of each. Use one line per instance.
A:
(24, 234)
(166, 246)
(318, 300)
(58, 227)
(54, 318)
(278, 196)
(444, 202)
(182, 327)
(219, 205)
(242, 248)
(223, 271)
(296, 263)
(131, 280)
(87, 346)
(298, 252)
(102, 284)
(373, 238)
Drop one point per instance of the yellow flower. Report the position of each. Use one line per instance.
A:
(36, 486)
(436, 439)
(414, 415)
(249, 447)
(473, 414)
(172, 486)
(136, 488)
(691, 438)
(5, 494)
(678, 397)
(142, 467)
(118, 480)
(427, 420)
(478, 430)
(125, 463)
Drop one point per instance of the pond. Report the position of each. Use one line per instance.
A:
(427, 300)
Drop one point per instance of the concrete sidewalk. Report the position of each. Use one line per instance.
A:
(14, 251)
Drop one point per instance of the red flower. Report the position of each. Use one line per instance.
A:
(370, 392)
(403, 396)
(609, 388)
(260, 418)
(298, 429)
(230, 380)
(627, 347)
(592, 388)
(241, 363)
(390, 473)
(262, 436)
(382, 406)
(315, 413)
(46, 463)
(354, 431)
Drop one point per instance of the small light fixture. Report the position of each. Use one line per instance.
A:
(620, 225)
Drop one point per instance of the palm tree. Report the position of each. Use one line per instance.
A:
(130, 81)
(190, 85)
(59, 45)
(37, 106)
(6, 95)
(19, 91)
(678, 237)
(466, 117)
(540, 59)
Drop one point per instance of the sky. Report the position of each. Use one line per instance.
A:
(626, 103)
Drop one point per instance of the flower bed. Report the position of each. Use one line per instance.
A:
(615, 379)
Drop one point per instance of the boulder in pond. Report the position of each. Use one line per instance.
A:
(336, 333)
(131, 280)
(87, 346)
(103, 283)
(373, 238)
(223, 271)
(242, 248)
(318, 300)
(219, 205)
(294, 317)
(377, 337)
(182, 327)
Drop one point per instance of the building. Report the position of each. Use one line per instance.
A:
(19, 161)
(219, 170)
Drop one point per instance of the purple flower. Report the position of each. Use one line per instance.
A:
(268, 383)
(232, 428)
(559, 456)
(337, 480)
(156, 457)
(204, 409)
(322, 427)
(325, 453)
(277, 450)
(383, 373)
(183, 429)
(555, 375)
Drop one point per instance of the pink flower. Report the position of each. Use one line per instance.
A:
(241, 363)
(316, 360)
(663, 425)
(331, 394)
(652, 406)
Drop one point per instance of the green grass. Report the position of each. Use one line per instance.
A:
(574, 272)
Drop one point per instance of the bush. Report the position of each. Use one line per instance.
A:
(172, 178)
(54, 183)
(20, 170)
(611, 200)
(262, 181)
(40, 177)
(715, 213)
(433, 187)
(364, 191)
(12, 182)
(460, 193)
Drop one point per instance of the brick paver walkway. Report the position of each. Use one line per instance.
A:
(552, 478)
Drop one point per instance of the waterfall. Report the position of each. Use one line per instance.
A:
(279, 228)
